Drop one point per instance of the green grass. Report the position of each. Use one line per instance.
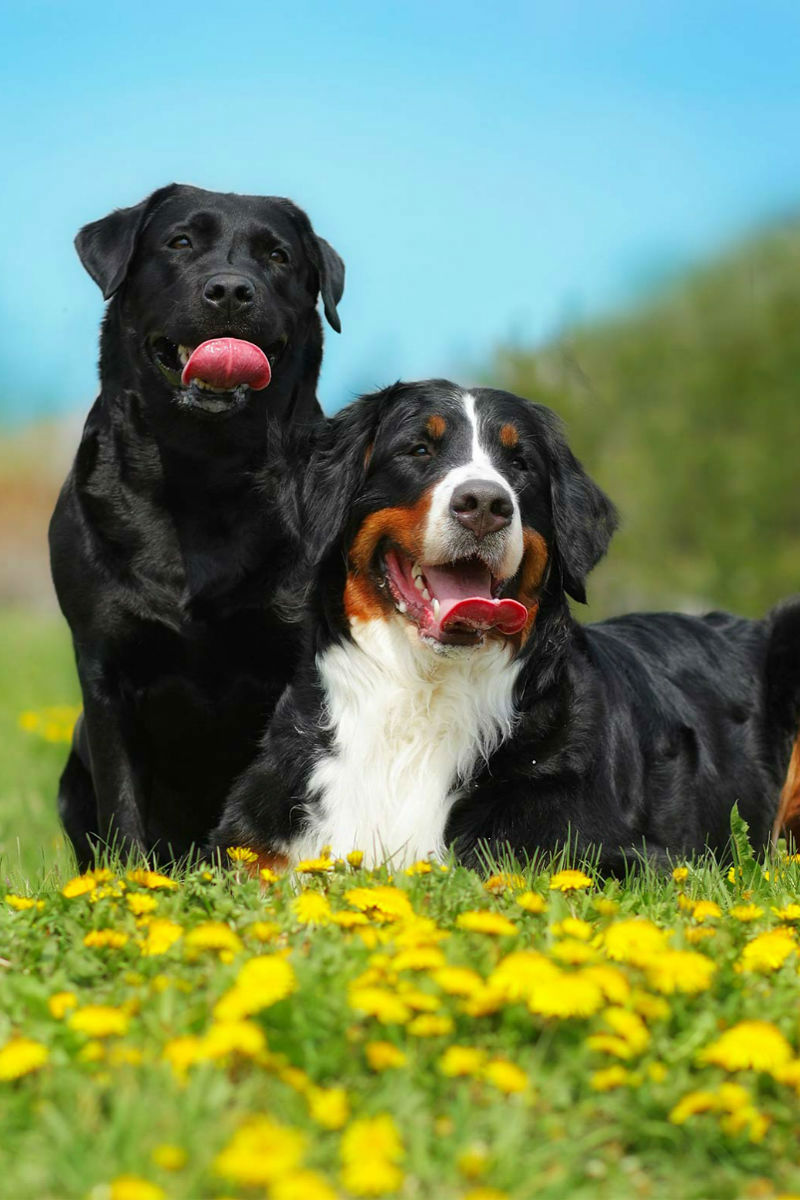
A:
(99, 1107)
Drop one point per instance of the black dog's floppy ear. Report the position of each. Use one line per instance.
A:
(331, 281)
(584, 519)
(106, 247)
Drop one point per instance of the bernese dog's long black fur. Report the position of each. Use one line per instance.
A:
(448, 698)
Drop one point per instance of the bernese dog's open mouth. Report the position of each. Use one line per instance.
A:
(453, 604)
(218, 375)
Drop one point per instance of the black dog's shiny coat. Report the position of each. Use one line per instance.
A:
(635, 735)
(167, 549)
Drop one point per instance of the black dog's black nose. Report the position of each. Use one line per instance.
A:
(231, 293)
(482, 506)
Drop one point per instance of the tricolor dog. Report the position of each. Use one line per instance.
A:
(448, 699)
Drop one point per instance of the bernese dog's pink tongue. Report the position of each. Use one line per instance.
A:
(224, 363)
(465, 598)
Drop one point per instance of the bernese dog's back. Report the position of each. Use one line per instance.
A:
(449, 699)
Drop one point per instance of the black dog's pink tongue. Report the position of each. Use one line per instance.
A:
(224, 363)
(465, 598)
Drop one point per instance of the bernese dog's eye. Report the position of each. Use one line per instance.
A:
(181, 242)
(420, 450)
(278, 255)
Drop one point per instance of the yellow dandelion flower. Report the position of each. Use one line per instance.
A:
(226, 1038)
(681, 971)
(261, 1152)
(754, 1045)
(611, 981)
(767, 951)
(92, 1052)
(262, 982)
(133, 1187)
(161, 936)
(301, 1185)
(21, 903)
(316, 866)
(457, 981)
(506, 1076)
(485, 921)
(152, 879)
(371, 1137)
(517, 974)
(485, 1193)
(652, 1008)
(329, 1107)
(788, 1073)
(99, 1021)
(637, 941)
(462, 1060)
(746, 912)
(79, 886)
(263, 931)
(371, 1176)
(564, 995)
(789, 912)
(386, 1006)
(531, 902)
(570, 881)
(422, 867)
(384, 1056)
(484, 1002)
(706, 910)
(241, 854)
(267, 875)
(610, 1043)
(505, 881)
(417, 999)
(312, 908)
(430, 1025)
(572, 927)
(699, 933)
(609, 1078)
(605, 906)
(473, 1161)
(20, 1057)
(348, 920)
(183, 1052)
(140, 904)
(60, 1003)
(417, 931)
(680, 874)
(418, 958)
(628, 1025)
(212, 935)
(692, 1104)
(169, 1157)
(573, 952)
(355, 858)
(657, 1072)
(382, 903)
(105, 939)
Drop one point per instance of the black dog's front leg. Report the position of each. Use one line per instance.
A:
(117, 778)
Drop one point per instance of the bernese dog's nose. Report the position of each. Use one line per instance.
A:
(482, 506)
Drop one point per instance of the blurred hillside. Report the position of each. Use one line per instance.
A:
(688, 413)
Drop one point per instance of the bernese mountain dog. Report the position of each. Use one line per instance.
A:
(449, 700)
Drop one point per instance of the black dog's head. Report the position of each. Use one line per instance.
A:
(216, 295)
(453, 511)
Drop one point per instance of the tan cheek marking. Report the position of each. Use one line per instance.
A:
(436, 426)
(535, 558)
(363, 600)
(509, 436)
(788, 818)
(368, 455)
(267, 860)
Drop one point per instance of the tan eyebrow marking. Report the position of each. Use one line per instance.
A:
(436, 426)
(509, 436)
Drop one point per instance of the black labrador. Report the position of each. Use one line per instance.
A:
(167, 549)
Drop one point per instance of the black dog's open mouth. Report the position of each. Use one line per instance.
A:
(454, 603)
(217, 376)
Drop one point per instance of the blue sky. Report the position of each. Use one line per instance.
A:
(488, 172)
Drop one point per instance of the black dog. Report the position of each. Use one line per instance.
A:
(448, 698)
(167, 550)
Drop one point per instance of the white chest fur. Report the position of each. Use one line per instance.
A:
(409, 725)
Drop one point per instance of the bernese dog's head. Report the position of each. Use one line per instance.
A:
(451, 511)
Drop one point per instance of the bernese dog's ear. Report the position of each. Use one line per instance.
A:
(584, 519)
(338, 470)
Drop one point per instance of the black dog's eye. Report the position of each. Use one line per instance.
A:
(278, 255)
(420, 451)
(519, 462)
(181, 242)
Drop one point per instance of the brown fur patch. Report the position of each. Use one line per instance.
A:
(788, 818)
(436, 426)
(535, 558)
(509, 436)
(401, 526)
(267, 860)
(368, 455)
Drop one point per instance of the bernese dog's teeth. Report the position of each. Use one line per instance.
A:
(436, 607)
